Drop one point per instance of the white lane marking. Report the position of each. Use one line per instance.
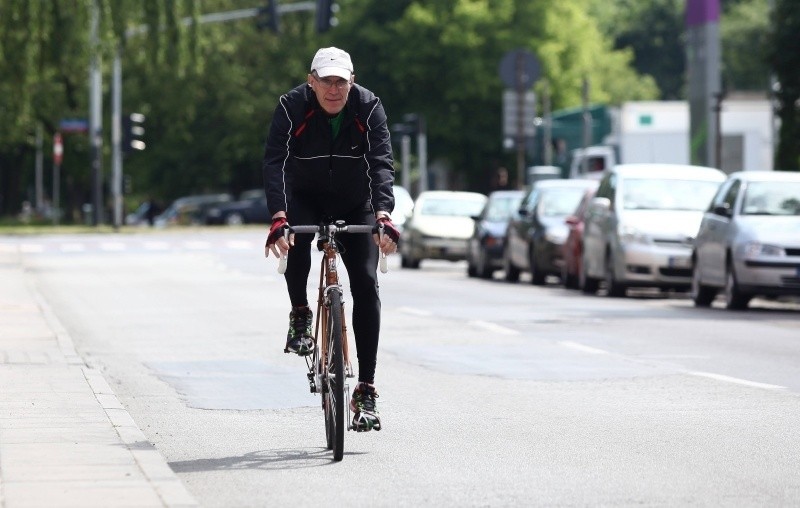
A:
(736, 380)
(8, 247)
(156, 245)
(31, 247)
(240, 245)
(415, 312)
(113, 246)
(73, 247)
(493, 327)
(580, 347)
(197, 245)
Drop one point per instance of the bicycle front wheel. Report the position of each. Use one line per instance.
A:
(334, 378)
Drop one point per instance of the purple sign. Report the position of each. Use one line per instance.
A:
(700, 12)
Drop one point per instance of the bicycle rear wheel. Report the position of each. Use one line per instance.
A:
(333, 393)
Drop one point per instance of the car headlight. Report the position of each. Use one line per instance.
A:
(556, 236)
(756, 249)
(629, 234)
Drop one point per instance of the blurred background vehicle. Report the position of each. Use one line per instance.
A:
(138, 217)
(190, 210)
(573, 245)
(403, 207)
(641, 225)
(251, 208)
(537, 173)
(485, 246)
(440, 226)
(536, 233)
(749, 240)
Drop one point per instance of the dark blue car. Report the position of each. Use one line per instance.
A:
(250, 209)
(485, 247)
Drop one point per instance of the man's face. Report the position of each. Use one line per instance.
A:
(331, 91)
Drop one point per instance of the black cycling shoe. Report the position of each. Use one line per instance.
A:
(364, 408)
(299, 339)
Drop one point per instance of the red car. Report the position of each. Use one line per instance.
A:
(573, 246)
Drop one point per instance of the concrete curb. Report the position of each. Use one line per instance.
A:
(65, 438)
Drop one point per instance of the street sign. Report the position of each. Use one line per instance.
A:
(511, 114)
(58, 149)
(519, 69)
(73, 125)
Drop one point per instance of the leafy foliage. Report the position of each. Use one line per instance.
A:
(784, 58)
(209, 90)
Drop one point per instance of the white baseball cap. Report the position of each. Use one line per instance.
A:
(332, 62)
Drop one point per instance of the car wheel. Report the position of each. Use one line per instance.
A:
(569, 280)
(484, 266)
(471, 270)
(512, 272)
(613, 287)
(587, 284)
(701, 295)
(234, 219)
(537, 276)
(734, 298)
(407, 259)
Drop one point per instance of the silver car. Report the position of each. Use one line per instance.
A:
(640, 227)
(440, 226)
(749, 240)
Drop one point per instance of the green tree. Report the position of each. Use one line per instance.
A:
(440, 58)
(784, 58)
(743, 31)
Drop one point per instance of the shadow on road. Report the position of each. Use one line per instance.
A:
(266, 459)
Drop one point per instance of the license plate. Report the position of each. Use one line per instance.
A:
(679, 262)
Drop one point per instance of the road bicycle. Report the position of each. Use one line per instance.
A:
(329, 365)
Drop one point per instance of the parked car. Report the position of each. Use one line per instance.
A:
(536, 233)
(485, 246)
(641, 226)
(749, 240)
(440, 226)
(251, 208)
(143, 215)
(403, 207)
(573, 245)
(190, 210)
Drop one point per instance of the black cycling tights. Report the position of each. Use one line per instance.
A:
(360, 256)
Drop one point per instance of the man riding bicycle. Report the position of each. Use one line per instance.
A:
(328, 156)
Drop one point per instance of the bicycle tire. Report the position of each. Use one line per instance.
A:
(334, 391)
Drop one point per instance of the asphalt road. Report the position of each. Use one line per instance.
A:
(492, 394)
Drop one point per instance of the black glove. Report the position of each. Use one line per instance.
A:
(276, 230)
(388, 228)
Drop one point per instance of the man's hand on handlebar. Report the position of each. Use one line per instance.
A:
(276, 239)
(391, 235)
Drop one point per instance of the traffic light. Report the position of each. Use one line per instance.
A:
(133, 132)
(326, 15)
(268, 17)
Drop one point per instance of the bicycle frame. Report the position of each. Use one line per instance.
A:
(329, 281)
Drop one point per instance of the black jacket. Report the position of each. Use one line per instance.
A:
(302, 158)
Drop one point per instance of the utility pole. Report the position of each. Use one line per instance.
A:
(587, 125)
(96, 119)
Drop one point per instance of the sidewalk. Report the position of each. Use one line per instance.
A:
(65, 439)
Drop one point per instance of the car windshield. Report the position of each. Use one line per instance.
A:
(667, 194)
(560, 202)
(451, 206)
(772, 198)
(500, 208)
